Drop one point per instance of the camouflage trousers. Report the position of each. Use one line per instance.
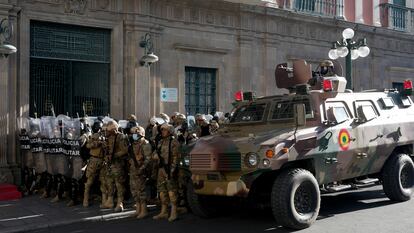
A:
(116, 178)
(95, 168)
(164, 184)
(137, 184)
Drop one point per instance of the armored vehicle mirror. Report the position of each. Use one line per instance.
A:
(299, 114)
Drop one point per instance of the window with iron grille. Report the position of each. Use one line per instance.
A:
(69, 69)
(200, 90)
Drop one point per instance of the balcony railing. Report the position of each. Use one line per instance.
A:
(397, 17)
(328, 8)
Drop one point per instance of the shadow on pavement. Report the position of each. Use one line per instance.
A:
(235, 219)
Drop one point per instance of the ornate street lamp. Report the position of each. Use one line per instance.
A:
(6, 32)
(349, 49)
(149, 57)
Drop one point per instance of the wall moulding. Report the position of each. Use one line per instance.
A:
(187, 47)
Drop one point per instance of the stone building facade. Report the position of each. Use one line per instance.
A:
(235, 46)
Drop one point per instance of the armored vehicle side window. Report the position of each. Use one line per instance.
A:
(387, 102)
(284, 109)
(249, 113)
(365, 110)
(337, 112)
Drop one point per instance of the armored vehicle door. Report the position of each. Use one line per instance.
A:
(336, 142)
(369, 139)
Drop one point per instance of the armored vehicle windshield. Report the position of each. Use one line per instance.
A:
(280, 108)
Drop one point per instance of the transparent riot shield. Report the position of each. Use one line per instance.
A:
(23, 124)
(72, 147)
(60, 163)
(90, 120)
(47, 132)
(36, 145)
(56, 144)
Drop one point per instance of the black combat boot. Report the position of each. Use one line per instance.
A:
(25, 180)
(60, 186)
(48, 186)
(73, 193)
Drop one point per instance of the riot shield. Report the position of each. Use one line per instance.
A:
(23, 124)
(72, 147)
(47, 132)
(60, 163)
(36, 145)
(55, 143)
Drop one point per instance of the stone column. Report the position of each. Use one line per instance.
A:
(359, 11)
(7, 113)
(410, 16)
(376, 13)
(340, 9)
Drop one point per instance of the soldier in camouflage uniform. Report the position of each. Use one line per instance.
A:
(202, 125)
(117, 150)
(166, 156)
(96, 149)
(139, 161)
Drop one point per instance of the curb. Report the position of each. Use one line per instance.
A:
(105, 217)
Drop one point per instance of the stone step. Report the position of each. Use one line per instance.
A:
(9, 192)
(7, 188)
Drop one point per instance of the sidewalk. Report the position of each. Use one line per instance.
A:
(33, 213)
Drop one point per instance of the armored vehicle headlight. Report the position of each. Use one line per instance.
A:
(252, 159)
(266, 162)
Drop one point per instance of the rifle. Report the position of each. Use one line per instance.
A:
(131, 153)
(166, 167)
(112, 153)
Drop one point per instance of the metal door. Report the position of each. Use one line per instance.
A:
(200, 90)
(69, 69)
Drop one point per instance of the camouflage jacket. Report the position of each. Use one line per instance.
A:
(95, 145)
(141, 154)
(116, 149)
(163, 154)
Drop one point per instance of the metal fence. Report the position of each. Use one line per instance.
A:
(397, 17)
(328, 8)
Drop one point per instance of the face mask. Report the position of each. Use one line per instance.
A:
(135, 137)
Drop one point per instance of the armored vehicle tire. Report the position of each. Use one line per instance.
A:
(295, 199)
(398, 177)
(200, 205)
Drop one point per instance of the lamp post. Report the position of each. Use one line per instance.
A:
(6, 32)
(149, 57)
(146, 60)
(349, 49)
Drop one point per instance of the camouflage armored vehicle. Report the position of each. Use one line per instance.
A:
(286, 150)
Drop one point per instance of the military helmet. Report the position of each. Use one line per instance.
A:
(97, 125)
(138, 130)
(326, 63)
(200, 117)
(165, 117)
(326, 67)
(181, 116)
(132, 117)
(112, 126)
(168, 127)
